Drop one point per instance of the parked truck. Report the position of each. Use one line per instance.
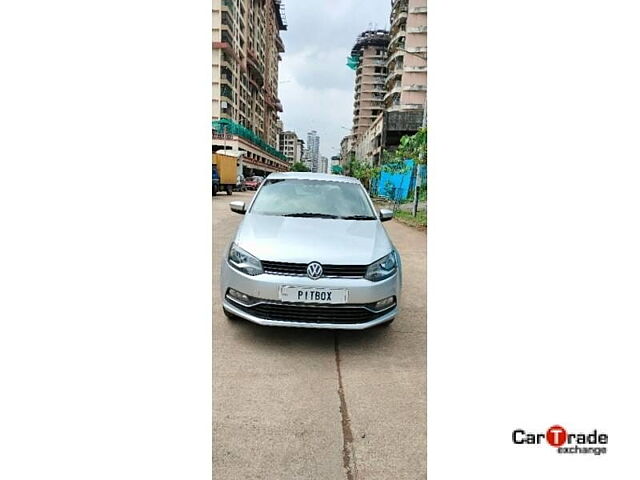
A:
(227, 168)
(215, 180)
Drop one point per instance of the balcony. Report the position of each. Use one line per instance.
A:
(376, 89)
(394, 56)
(226, 37)
(397, 88)
(400, 34)
(392, 99)
(396, 47)
(227, 22)
(226, 77)
(227, 61)
(396, 4)
(228, 5)
(225, 91)
(397, 72)
(401, 18)
(226, 48)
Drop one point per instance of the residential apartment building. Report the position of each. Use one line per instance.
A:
(369, 146)
(405, 85)
(347, 149)
(288, 145)
(406, 82)
(371, 50)
(313, 150)
(246, 52)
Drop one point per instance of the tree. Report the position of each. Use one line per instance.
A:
(361, 170)
(299, 167)
(413, 147)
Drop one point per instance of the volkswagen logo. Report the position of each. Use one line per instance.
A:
(314, 270)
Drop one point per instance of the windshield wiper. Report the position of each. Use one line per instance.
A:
(358, 217)
(310, 215)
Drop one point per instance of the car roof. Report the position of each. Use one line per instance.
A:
(312, 176)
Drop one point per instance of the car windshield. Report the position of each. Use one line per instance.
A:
(313, 198)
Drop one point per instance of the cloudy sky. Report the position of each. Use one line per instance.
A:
(316, 86)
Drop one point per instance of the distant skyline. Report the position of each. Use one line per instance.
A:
(316, 86)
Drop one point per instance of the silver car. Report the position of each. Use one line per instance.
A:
(311, 252)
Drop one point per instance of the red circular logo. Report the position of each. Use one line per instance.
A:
(556, 436)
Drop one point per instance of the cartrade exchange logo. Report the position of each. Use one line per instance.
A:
(557, 437)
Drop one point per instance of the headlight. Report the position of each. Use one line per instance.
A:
(383, 268)
(244, 261)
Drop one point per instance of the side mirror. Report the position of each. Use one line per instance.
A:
(385, 215)
(237, 207)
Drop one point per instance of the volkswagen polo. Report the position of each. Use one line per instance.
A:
(311, 251)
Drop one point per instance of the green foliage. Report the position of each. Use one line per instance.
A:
(363, 171)
(411, 146)
(393, 164)
(299, 167)
(423, 194)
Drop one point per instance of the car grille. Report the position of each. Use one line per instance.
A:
(310, 313)
(300, 269)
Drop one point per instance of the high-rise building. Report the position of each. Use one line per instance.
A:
(370, 50)
(405, 86)
(246, 52)
(313, 150)
(299, 150)
(288, 145)
(406, 82)
(324, 165)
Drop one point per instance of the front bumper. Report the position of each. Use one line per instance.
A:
(243, 313)
(273, 312)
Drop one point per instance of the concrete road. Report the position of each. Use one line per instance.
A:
(293, 404)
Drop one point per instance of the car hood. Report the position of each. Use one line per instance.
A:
(304, 240)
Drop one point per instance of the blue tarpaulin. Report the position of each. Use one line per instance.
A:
(399, 186)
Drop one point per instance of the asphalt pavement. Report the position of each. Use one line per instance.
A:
(293, 404)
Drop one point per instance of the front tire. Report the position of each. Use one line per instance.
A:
(229, 190)
(215, 191)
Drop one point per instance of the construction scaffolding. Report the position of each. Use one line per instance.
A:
(226, 126)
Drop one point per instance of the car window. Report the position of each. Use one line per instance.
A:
(321, 197)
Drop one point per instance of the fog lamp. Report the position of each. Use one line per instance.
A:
(382, 304)
(239, 296)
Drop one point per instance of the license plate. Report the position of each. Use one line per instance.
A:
(314, 295)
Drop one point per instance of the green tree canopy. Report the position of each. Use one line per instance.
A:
(299, 167)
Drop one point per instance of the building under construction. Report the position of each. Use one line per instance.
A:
(368, 57)
(391, 83)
